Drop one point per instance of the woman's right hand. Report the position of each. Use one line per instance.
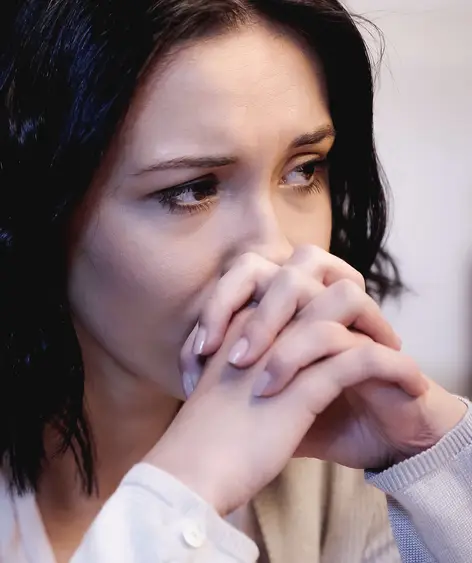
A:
(226, 444)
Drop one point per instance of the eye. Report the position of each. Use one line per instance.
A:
(307, 176)
(191, 197)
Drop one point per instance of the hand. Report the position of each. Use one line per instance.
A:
(362, 427)
(375, 424)
(281, 291)
(226, 444)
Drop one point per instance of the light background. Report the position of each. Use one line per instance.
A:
(424, 133)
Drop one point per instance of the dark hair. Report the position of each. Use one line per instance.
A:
(68, 72)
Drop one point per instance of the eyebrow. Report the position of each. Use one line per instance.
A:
(188, 162)
(313, 138)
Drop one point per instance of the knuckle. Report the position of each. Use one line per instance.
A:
(259, 332)
(307, 252)
(318, 259)
(329, 333)
(281, 363)
(312, 257)
(350, 293)
(290, 277)
(331, 339)
(373, 358)
(359, 280)
(410, 365)
(310, 311)
(248, 261)
(360, 339)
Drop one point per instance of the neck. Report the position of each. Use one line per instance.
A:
(126, 420)
(126, 423)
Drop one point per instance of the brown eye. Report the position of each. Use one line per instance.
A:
(190, 197)
(305, 175)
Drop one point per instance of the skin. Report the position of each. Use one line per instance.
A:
(141, 275)
(141, 278)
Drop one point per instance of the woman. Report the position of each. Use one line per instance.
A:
(163, 165)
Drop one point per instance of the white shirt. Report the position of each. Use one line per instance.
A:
(151, 516)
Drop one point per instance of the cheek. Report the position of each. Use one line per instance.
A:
(309, 222)
(136, 289)
(324, 224)
(139, 277)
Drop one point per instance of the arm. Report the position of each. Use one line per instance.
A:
(430, 499)
(153, 517)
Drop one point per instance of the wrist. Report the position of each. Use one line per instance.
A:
(446, 412)
(190, 471)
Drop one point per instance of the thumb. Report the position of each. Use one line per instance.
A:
(191, 365)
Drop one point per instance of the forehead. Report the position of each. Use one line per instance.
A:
(233, 90)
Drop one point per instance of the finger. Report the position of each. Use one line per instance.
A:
(299, 346)
(251, 276)
(288, 293)
(216, 369)
(190, 365)
(319, 385)
(324, 267)
(295, 285)
(345, 303)
(248, 278)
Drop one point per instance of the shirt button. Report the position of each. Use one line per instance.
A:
(193, 534)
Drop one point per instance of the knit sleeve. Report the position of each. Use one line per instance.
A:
(154, 517)
(430, 499)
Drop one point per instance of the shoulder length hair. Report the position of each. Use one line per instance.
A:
(68, 73)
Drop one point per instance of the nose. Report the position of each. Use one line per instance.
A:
(260, 229)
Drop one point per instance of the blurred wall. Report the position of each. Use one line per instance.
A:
(424, 133)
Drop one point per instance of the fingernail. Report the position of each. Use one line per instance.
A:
(188, 383)
(262, 384)
(238, 351)
(199, 342)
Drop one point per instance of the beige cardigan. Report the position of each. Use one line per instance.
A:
(323, 513)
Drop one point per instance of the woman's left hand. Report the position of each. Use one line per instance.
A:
(375, 425)
(372, 424)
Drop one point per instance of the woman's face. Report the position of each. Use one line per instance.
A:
(222, 154)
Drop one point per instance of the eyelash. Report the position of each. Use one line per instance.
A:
(168, 197)
(313, 166)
